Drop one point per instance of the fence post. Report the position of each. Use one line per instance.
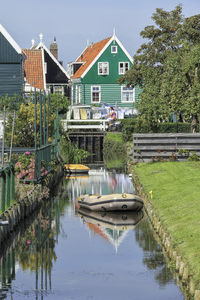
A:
(12, 183)
(3, 190)
(7, 187)
(44, 122)
(40, 119)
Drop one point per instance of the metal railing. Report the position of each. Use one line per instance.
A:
(7, 186)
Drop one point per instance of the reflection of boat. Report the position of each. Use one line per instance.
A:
(111, 226)
(111, 202)
(76, 168)
(76, 176)
(113, 220)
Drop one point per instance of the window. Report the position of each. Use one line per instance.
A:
(45, 68)
(103, 68)
(95, 94)
(78, 94)
(113, 49)
(123, 67)
(58, 90)
(127, 94)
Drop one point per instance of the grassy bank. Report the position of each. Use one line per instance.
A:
(175, 194)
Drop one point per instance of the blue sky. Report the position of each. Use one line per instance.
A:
(76, 21)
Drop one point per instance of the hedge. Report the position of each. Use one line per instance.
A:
(130, 126)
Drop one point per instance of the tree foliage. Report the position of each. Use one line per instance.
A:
(166, 66)
(24, 130)
(59, 102)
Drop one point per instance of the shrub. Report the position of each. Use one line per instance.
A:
(137, 125)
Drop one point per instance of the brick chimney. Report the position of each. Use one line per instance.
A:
(54, 48)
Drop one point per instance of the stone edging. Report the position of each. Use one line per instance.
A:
(184, 278)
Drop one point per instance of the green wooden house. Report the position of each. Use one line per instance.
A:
(11, 65)
(95, 73)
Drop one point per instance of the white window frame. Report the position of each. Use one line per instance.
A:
(72, 95)
(58, 89)
(92, 91)
(102, 66)
(114, 47)
(78, 94)
(123, 69)
(130, 92)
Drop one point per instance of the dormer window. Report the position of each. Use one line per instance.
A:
(103, 68)
(113, 49)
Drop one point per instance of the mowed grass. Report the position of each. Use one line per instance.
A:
(115, 136)
(175, 190)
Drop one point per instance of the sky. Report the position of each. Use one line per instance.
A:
(75, 22)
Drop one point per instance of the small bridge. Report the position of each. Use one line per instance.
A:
(98, 124)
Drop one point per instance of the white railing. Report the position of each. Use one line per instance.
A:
(100, 124)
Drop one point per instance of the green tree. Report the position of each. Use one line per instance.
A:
(167, 68)
(59, 102)
(11, 103)
(24, 126)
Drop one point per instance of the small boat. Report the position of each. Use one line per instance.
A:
(76, 168)
(111, 202)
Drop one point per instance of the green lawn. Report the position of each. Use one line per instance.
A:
(115, 136)
(175, 190)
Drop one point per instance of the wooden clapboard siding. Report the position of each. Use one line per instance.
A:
(11, 69)
(110, 93)
(88, 76)
(7, 52)
(11, 81)
(150, 146)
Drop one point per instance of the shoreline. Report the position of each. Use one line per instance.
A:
(179, 263)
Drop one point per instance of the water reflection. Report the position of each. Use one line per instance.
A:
(153, 256)
(51, 255)
(98, 182)
(112, 226)
(32, 247)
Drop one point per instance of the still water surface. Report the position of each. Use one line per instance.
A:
(64, 254)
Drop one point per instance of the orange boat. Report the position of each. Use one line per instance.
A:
(76, 168)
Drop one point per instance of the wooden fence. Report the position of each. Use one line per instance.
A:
(169, 146)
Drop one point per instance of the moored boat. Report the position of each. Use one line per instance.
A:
(76, 168)
(111, 202)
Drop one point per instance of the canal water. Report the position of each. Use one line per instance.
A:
(62, 253)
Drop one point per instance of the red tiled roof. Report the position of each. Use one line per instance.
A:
(89, 55)
(33, 68)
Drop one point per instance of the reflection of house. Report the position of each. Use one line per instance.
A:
(95, 73)
(102, 183)
(11, 65)
(43, 70)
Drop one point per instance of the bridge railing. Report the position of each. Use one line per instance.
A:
(99, 124)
